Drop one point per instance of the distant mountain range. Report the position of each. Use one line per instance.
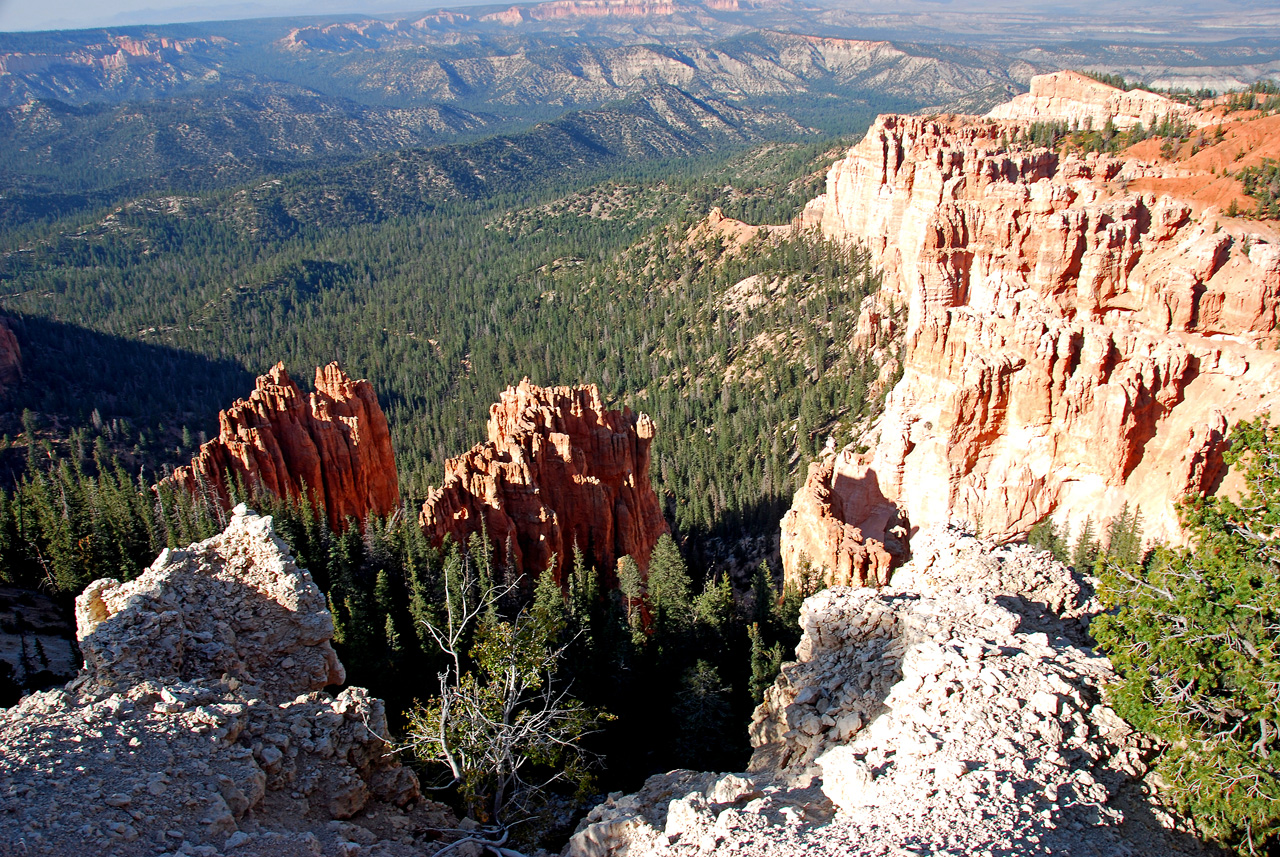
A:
(122, 110)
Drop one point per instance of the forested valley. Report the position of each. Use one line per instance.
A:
(140, 321)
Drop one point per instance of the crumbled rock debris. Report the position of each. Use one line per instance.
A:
(200, 726)
(957, 711)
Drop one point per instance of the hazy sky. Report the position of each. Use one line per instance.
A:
(76, 14)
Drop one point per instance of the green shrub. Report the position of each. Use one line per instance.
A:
(1195, 635)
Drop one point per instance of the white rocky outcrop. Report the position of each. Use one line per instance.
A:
(1082, 102)
(956, 711)
(200, 724)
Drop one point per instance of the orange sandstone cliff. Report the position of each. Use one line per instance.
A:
(558, 470)
(334, 442)
(1072, 342)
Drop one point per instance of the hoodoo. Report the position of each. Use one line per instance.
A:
(559, 470)
(333, 443)
(1072, 343)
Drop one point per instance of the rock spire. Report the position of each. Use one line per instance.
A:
(333, 442)
(558, 470)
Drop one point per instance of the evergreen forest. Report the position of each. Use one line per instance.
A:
(138, 321)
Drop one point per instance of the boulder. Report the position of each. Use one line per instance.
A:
(199, 722)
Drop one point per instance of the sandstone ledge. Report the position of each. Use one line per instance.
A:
(1070, 345)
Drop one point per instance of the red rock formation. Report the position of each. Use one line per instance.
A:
(335, 442)
(558, 470)
(1070, 345)
(844, 526)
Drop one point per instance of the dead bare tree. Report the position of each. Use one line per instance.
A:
(500, 725)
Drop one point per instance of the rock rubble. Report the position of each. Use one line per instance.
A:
(956, 711)
(200, 726)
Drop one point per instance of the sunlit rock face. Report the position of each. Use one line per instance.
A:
(334, 445)
(559, 471)
(1070, 346)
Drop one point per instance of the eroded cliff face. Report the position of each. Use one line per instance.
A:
(334, 442)
(1070, 345)
(558, 470)
(200, 721)
(843, 526)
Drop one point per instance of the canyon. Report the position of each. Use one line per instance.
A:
(1075, 335)
(1077, 332)
(332, 446)
(559, 473)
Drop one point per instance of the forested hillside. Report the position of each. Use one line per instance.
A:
(138, 325)
(444, 308)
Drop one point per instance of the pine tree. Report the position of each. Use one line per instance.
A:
(1085, 552)
(1192, 633)
(766, 662)
(394, 647)
(714, 606)
(549, 606)
(764, 594)
(701, 713)
(631, 587)
(669, 586)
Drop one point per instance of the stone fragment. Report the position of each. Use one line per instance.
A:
(846, 779)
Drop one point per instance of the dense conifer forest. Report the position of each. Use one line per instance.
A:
(140, 321)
